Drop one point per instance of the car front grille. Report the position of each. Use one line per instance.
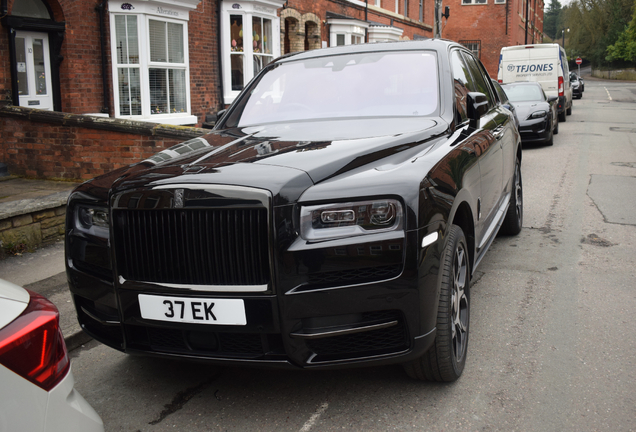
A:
(193, 246)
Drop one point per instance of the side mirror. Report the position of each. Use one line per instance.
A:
(477, 105)
(507, 106)
(553, 99)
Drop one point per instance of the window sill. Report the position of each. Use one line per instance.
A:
(181, 120)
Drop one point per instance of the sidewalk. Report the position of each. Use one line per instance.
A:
(43, 269)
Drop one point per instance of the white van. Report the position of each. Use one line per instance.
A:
(544, 63)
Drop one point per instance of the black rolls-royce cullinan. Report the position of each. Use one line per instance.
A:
(334, 217)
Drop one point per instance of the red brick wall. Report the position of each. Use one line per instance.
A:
(411, 26)
(52, 151)
(487, 23)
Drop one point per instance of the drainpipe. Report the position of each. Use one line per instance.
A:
(527, 5)
(366, 19)
(102, 36)
(218, 38)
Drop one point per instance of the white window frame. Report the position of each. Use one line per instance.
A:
(348, 28)
(474, 2)
(266, 9)
(500, 1)
(173, 11)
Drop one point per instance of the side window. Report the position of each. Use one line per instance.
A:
(481, 79)
(463, 84)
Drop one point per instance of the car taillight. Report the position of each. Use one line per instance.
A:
(560, 86)
(500, 81)
(32, 345)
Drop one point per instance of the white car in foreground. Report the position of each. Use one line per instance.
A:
(36, 382)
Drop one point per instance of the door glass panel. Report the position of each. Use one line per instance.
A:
(38, 63)
(23, 84)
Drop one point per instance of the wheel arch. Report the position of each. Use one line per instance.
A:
(463, 218)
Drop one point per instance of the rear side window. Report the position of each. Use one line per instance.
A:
(480, 78)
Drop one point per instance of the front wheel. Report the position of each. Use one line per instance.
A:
(514, 217)
(446, 359)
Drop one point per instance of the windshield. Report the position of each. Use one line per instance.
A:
(523, 93)
(384, 84)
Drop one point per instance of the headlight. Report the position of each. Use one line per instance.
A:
(538, 114)
(330, 221)
(93, 220)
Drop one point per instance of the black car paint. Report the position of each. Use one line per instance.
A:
(536, 130)
(441, 171)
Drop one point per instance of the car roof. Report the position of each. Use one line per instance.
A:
(426, 44)
(516, 83)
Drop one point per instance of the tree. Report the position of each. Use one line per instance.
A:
(595, 25)
(625, 46)
(552, 19)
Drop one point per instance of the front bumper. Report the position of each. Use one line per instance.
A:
(333, 304)
(535, 131)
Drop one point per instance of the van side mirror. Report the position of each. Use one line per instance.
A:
(477, 105)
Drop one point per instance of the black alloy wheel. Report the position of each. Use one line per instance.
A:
(514, 216)
(446, 359)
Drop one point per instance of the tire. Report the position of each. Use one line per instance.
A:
(569, 110)
(445, 360)
(514, 216)
(556, 128)
(550, 141)
(562, 116)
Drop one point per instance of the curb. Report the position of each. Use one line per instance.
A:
(76, 340)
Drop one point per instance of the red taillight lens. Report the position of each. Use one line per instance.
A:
(500, 81)
(560, 86)
(33, 346)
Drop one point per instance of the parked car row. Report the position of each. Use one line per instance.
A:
(537, 81)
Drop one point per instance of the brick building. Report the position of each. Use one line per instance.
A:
(485, 26)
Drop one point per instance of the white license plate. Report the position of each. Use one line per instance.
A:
(193, 310)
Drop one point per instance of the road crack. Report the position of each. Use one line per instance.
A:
(182, 398)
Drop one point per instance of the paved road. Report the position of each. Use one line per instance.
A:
(552, 343)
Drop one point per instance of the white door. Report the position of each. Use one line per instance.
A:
(34, 70)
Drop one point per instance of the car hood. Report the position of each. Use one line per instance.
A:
(524, 109)
(293, 155)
